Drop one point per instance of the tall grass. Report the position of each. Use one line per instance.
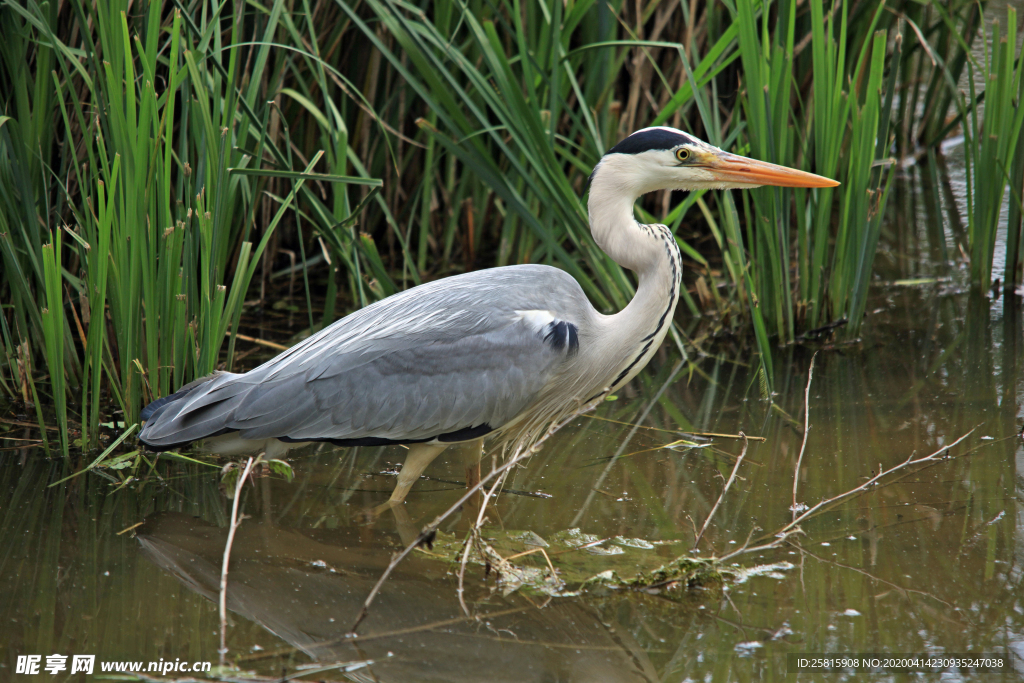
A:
(976, 92)
(158, 159)
(842, 123)
(158, 124)
(992, 146)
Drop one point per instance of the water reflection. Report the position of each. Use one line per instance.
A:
(306, 586)
(930, 563)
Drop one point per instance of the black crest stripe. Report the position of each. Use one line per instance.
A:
(647, 140)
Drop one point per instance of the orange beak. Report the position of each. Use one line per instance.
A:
(732, 168)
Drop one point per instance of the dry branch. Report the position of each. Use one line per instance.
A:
(235, 522)
(938, 455)
(732, 477)
(807, 428)
(794, 526)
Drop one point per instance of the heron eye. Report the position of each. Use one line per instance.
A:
(682, 154)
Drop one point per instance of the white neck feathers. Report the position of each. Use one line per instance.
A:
(612, 222)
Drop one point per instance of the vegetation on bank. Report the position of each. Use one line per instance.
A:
(158, 161)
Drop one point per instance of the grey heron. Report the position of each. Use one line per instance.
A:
(498, 352)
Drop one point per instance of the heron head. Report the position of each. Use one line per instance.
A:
(668, 159)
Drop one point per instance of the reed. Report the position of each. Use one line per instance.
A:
(152, 128)
(993, 140)
(986, 111)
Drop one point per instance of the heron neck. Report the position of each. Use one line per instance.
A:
(614, 228)
(640, 248)
(648, 250)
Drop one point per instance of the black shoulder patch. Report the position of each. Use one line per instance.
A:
(563, 336)
(646, 140)
(464, 434)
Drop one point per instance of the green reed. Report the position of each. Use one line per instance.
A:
(979, 98)
(841, 126)
(156, 190)
(993, 163)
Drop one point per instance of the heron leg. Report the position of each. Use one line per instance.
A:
(472, 452)
(407, 530)
(420, 455)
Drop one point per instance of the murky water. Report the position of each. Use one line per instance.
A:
(931, 563)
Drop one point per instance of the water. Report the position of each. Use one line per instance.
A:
(931, 563)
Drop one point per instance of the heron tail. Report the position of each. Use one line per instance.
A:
(196, 411)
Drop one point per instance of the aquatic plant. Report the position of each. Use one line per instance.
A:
(993, 146)
(139, 145)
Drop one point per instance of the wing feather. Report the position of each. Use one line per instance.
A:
(451, 355)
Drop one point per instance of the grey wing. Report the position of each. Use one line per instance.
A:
(451, 361)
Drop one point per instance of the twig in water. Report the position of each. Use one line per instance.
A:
(693, 525)
(794, 527)
(780, 538)
(461, 590)
(485, 550)
(807, 427)
(718, 502)
(530, 552)
(235, 522)
(933, 457)
(502, 565)
(474, 539)
(429, 530)
(674, 431)
(746, 545)
(741, 435)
